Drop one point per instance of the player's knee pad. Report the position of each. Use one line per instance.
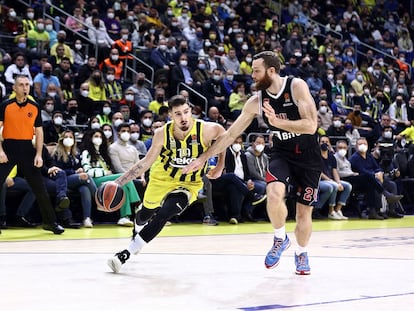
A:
(174, 204)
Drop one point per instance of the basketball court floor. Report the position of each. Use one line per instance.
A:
(356, 265)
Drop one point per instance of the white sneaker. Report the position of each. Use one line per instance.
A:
(116, 262)
(341, 215)
(334, 216)
(126, 222)
(87, 223)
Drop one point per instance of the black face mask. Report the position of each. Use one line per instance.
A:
(357, 112)
(73, 110)
(160, 99)
(47, 73)
(140, 82)
(97, 79)
(61, 40)
(324, 147)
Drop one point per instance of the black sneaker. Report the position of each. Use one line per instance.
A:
(54, 227)
(62, 203)
(116, 262)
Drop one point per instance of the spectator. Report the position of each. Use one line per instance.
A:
(159, 101)
(72, 116)
(19, 67)
(97, 164)
(114, 62)
(43, 79)
(124, 46)
(51, 32)
(113, 87)
(97, 88)
(54, 128)
(147, 118)
(134, 140)
(229, 82)
(216, 92)
(67, 158)
(86, 70)
(99, 35)
(38, 38)
(237, 100)
(332, 189)
(143, 96)
(112, 24)
(325, 114)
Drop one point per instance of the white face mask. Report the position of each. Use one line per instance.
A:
(342, 152)
(95, 125)
(147, 122)
(40, 26)
(183, 63)
(58, 121)
(386, 89)
(108, 134)
(129, 97)
(68, 142)
(49, 108)
(125, 136)
(30, 15)
(12, 13)
(163, 47)
(49, 27)
(52, 94)
(259, 148)
(78, 46)
(106, 110)
(248, 59)
(134, 136)
(117, 122)
(114, 57)
(124, 37)
(111, 15)
(323, 109)
(387, 134)
(85, 93)
(97, 141)
(230, 78)
(330, 76)
(110, 78)
(337, 123)
(236, 147)
(362, 148)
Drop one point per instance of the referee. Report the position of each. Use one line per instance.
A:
(19, 116)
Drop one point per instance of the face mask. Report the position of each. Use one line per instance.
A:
(174, 24)
(339, 82)
(117, 122)
(47, 73)
(97, 141)
(342, 152)
(52, 94)
(195, 116)
(68, 142)
(170, 13)
(85, 93)
(367, 92)
(390, 71)
(387, 89)
(236, 147)
(221, 28)
(108, 134)
(201, 66)
(111, 15)
(40, 26)
(207, 44)
(338, 101)
(337, 123)
(359, 78)
(362, 148)
(114, 57)
(129, 97)
(95, 125)
(134, 136)
(259, 148)
(239, 40)
(147, 122)
(323, 96)
(49, 108)
(221, 49)
(248, 59)
(49, 27)
(21, 45)
(183, 63)
(348, 127)
(330, 76)
(230, 78)
(12, 14)
(298, 54)
(324, 147)
(351, 95)
(78, 46)
(30, 15)
(349, 53)
(387, 134)
(216, 78)
(163, 47)
(106, 110)
(400, 90)
(125, 37)
(207, 25)
(140, 82)
(58, 121)
(110, 78)
(323, 109)
(125, 136)
(160, 99)
(245, 47)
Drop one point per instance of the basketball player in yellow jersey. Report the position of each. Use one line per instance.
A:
(169, 191)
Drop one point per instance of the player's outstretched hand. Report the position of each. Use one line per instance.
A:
(214, 173)
(193, 166)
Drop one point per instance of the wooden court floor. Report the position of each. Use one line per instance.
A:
(356, 264)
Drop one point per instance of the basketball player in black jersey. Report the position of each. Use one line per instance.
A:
(290, 112)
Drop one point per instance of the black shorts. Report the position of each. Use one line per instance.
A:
(304, 181)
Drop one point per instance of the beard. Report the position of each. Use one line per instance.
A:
(264, 83)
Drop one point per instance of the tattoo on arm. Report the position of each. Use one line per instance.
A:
(133, 173)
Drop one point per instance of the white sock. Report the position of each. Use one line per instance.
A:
(280, 233)
(301, 250)
(136, 245)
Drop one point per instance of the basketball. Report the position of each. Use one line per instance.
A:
(109, 197)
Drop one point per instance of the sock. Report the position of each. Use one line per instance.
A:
(301, 250)
(136, 245)
(280, 233)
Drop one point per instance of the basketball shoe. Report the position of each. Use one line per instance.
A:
(116, 262)
(273, 256)
(302, 264)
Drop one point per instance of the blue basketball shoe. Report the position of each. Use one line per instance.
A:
(302, 264)
(273, 256)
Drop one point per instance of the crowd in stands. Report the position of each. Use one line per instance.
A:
(356, 57)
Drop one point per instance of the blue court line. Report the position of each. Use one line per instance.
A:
(276, 307)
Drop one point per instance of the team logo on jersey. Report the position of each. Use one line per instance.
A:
(30, 114)
(194, 139)
(287, 102)
(266, 101)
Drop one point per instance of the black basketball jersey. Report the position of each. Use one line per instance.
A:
(286, 107)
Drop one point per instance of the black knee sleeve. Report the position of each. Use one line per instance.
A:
(143, 215)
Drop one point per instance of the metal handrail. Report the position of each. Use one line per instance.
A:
(133, 68)
(190, 89)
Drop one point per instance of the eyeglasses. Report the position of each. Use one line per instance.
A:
(264, 53)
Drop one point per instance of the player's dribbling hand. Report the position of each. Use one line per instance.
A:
(193, 166)
(214, 173)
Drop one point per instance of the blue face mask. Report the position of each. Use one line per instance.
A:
(21, 45)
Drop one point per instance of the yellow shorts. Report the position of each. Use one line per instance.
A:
(157, 191)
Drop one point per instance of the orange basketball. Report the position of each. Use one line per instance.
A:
(109, 197)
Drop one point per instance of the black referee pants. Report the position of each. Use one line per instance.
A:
(22, 153)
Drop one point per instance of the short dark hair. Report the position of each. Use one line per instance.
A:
(177, 100)
(270, 59)
(122, 125)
